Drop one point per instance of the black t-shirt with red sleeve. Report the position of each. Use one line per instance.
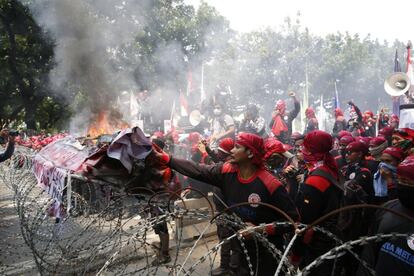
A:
(261, 187)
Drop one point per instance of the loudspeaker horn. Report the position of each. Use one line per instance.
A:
(397, 84)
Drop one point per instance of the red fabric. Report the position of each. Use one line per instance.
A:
(395, 152)
(369, 113)
(310, 113)
(406, 168)
(226, 145)
(318, 182)
(158, 134)
(254, 143)
(357, 147)
(164, 159)
(270, 229)
(377, 141)
(272, 145)
(194, 137)
(346, 140)
(279, 125)
(338, 112)
(365, 140)
(204, 156)
(319, 143)
(394, 118)
(386, 132)
(404, 133)
(228, 168)
(271, 183)
(343, 133)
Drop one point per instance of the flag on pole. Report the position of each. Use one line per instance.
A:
(337, 104)
(183, 105)
(189, 83)
(410, 72)
(133, 106)
(396, 100)
(202, 92)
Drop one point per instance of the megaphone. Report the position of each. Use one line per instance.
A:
(397, 84)
(195, 117)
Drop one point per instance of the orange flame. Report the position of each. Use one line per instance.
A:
(105, 125)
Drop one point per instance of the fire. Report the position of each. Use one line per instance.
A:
(105, 125)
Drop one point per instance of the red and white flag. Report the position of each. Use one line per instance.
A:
(410, 72)
(183, 105)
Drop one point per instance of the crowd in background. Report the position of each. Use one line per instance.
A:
(365, 160)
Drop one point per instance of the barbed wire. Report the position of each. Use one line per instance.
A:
(102, 234)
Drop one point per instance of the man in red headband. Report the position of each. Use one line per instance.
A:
(394, 121)
(386, 132)
(358, 190)
(340, 122)
(403, 138)
(369, 123)
(343, 143)
(244, 179)
(281, 124)
(357, 169)
(395, 255)
(276, 155)
(311, 121)
(320, 195)
(376, 146)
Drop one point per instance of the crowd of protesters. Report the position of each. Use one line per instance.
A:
(306, 175)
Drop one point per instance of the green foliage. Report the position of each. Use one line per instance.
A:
(260, 66)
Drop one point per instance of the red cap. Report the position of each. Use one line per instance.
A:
(343, 133)
(365, 140)
(377, 141)
(406, 168)
(346, 140)
(386, 132)
(395, 152)
(357, 147)
(226, 145)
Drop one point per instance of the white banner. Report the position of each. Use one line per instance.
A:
(52, 180)
(407, 116)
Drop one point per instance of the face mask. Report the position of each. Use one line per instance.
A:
(405, 144)
(405, 195)
(217, 112)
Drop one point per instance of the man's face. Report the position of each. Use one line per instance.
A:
(239, 154)
(396, 140)
(386, 158)
(276, 160)
(342, 148)
(298, 144)
(352, 156)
